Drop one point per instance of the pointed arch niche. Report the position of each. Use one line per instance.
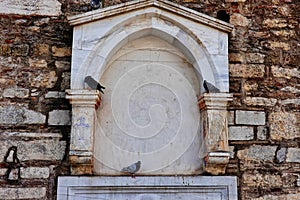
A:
(153, 57)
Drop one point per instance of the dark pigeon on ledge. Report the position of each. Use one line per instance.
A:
(92, 83)
(210, 88)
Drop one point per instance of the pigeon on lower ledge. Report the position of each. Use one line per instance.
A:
(132, 169)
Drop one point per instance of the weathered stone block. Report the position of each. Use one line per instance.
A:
(246, 71)
(275, 23)
(63, 65)
(239, 20)
(260, 101)
(3, 171)
(82, 169)
(293, 155)
(59, 117)
(283, 125)
(47, 80)
(284, 10)
(35, 172)
(12, 115)
(20, 50)
(236, 57)
(14, 50)
(284, 33)
(61, 52)
(291, 101)
(230, 118)
(55, 95)
(281, 155)
(16, 92)
(258, 153)
(240, 133)
(279, 197)
(259, 34)
(262, 180)
(250, 117)
(31, 7)
(290, 89)
(65, 84)
(22, 193)
(250, 86)
(41, 49)
(255, 58)
(34, 63)
(281, 45)
(34, 28)
(5, 50)
(285, 72)
(235, 0)
(261, 132)
(33, 146)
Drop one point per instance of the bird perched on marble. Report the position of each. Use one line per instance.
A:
(210, 88)
(132, 169)
(92, 83)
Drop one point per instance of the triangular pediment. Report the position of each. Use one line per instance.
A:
(157, 5)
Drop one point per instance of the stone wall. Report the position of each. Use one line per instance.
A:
(35, 50)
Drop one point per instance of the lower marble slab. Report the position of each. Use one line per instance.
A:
(147, 188)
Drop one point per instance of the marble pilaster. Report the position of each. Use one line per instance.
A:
(215, 150)
(84, 103)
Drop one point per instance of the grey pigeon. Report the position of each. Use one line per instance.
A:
(132, 169)
(210, 88)
(92, 83)
(95, 4)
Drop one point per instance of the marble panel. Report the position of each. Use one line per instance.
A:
(148, 188)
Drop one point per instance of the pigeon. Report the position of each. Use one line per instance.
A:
(92, 83)
(132, 169)
(210, 88)
(95, 4)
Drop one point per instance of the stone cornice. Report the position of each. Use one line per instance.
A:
(142, 4)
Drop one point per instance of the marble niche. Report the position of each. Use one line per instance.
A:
(152, 56)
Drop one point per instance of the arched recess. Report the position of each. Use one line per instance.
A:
(149, 111)
(100, 34)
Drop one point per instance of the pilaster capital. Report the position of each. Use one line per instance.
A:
(214, 101)
(85, 98)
